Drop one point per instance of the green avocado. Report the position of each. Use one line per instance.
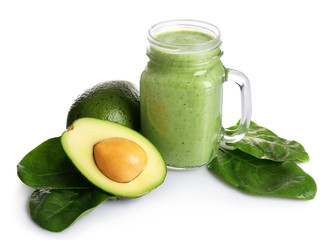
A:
(79, 141)
(116, 101)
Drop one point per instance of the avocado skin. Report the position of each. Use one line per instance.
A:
(116, 101)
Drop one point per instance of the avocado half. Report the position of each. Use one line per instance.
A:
(79, 141)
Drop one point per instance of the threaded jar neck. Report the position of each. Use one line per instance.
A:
(183, 40)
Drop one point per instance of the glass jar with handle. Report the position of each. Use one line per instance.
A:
(181, 93)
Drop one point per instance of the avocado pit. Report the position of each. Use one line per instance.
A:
(120, 159)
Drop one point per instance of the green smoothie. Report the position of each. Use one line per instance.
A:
(183, 37)
(181, 97)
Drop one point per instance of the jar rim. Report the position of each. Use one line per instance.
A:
(184, 24)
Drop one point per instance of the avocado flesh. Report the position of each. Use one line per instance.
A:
(84, 133)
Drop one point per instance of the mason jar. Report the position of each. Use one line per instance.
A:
(181, 93)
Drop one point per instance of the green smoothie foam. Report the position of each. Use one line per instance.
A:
(184, 37)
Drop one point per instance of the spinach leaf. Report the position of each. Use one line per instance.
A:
(263, 143)
(55, 210)
(263, 177)
(48, 167)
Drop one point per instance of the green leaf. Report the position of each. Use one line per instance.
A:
(264, 144)
(48, 167)
(263, 177)
(55, 210)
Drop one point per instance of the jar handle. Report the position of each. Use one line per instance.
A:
(235, 135)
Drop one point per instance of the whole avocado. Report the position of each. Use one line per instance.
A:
(116, 101)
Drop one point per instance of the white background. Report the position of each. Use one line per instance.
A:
(51, 51)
